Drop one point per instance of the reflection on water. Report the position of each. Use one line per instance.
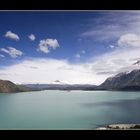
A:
(126, 104)
(126, 111)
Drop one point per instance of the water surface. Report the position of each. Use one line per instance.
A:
(68, 110)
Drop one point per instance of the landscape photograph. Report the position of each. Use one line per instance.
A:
(69, 70)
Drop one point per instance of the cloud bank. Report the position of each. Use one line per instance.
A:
(45, 70)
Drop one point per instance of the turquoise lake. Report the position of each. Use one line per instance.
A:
(54, 109)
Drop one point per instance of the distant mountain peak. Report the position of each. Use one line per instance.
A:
(57, 81)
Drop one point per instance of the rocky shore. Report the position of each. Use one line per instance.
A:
(119, 127)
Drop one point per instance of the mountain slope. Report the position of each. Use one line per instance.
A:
(122, 81)
(60, 86)
(8, 87)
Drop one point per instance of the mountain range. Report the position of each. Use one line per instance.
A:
(122, 81)
(129, 81)
(60, 86)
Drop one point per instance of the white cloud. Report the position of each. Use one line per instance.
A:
(11, 35)
(120, 59)
(53, 43)
(1, 55)
(43, 49)
(32, 37)
(129, 40)
(46, 44)
(13, 52)
(77, 55)
(111, 46)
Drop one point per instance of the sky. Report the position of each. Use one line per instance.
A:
(74, 47)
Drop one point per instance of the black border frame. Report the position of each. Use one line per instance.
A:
(70, 5)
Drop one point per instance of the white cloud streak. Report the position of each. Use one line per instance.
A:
(13, 52)
(1, 55)
(112, 25)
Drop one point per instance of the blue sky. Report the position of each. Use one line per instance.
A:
(87, 45)
(66, 27)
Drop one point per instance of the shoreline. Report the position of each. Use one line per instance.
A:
(120, 127)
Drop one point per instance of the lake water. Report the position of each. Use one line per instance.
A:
(68, 110)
